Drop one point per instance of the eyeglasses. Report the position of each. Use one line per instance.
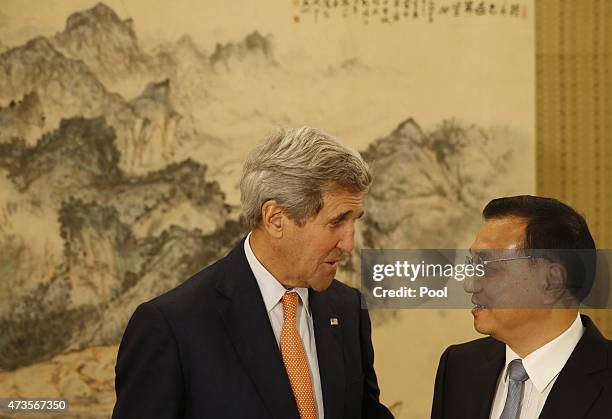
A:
(469, 260)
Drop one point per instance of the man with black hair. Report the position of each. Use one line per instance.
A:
(542, 359)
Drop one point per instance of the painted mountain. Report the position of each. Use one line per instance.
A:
(118, 179)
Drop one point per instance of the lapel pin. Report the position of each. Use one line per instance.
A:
(334, 321)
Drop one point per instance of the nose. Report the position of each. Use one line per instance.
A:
(347, 240)
(472, 285)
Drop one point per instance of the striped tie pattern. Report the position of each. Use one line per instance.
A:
(517, 376)
(295, 359)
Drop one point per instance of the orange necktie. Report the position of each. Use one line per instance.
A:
(295, 359)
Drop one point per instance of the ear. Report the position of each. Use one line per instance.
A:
(555, 282)
(273, 218)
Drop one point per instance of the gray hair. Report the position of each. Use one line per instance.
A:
(295, 167)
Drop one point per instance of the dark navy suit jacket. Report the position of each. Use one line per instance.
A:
(467, 380)
(206, 349)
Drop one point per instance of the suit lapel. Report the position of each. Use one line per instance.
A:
(244, 315)
(329, 352)
(484, 380)
(575, 389)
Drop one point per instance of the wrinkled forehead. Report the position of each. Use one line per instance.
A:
(340, 200)
(500, 233)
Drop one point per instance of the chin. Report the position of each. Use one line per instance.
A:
(322, 285)
(481, 327)
(481, 330)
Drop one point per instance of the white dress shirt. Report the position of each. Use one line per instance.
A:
(543, 367)
(272, 291)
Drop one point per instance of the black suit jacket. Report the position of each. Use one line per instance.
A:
(206, 349)
(467, 380)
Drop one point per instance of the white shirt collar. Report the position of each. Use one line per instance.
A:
(271, 289)
(545, 363)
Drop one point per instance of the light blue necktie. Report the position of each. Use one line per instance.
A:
(517, 376)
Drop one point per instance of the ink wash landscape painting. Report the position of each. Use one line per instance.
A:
(124, 125)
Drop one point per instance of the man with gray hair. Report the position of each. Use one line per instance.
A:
(266, 332)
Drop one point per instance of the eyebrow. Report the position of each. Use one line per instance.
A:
(344, 214)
